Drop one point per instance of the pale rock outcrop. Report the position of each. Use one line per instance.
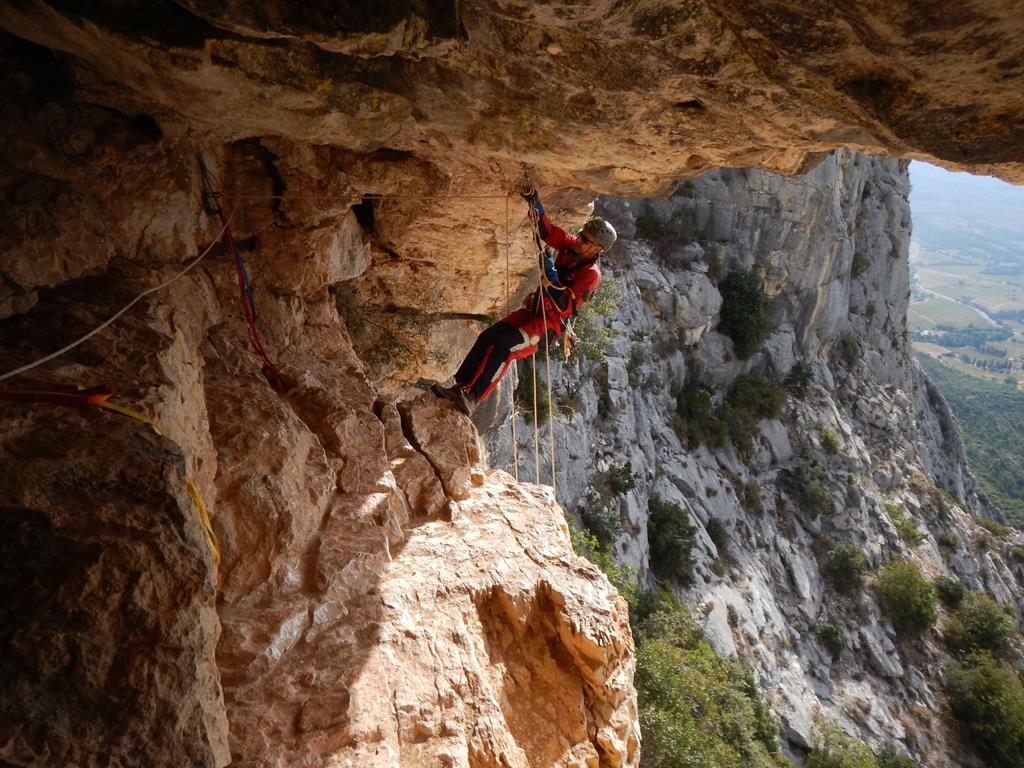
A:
(833, 248)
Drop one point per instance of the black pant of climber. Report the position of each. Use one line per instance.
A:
(489, 358)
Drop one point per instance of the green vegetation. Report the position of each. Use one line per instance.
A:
(990, 416)
(845, 566)
(973, 335)
(621, 478)
(829, 442)
(980, 625)
(671, 539)
(950, 591)
(833, 749)
(907, 598)
(859, 264)
(890, 757)
(745, 312)
(586, 545)
(992, 526)
(752, 501)
(987, 695)
(593, 335)
(752, 398)
(808, 486)
(651, 227)
(936, 311)
(905, 528)
(718, 534)
(799, 379)
(696, 709)
(832, 637)
(603, 516)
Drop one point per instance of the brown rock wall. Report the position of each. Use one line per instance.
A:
(383, 599)
(108, 619)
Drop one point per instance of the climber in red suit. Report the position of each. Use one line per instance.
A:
(572, 274)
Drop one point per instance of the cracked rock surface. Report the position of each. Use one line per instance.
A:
(362, 160)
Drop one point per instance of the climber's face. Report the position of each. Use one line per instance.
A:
(588, 246)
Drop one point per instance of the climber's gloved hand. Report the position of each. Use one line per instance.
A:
(530, 195)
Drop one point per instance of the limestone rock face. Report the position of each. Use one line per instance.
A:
(362, 160)
(832, 248)
(109, 623)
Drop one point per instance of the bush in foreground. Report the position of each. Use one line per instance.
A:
(696, 709)
(988, 697)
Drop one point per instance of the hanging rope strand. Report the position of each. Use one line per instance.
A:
(212, 197)
(539, 242)
(508, 311)
(551, 411)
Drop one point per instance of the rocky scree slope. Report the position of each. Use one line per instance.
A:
(870, 437)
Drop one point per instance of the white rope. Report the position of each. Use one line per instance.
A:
(551, 410)
(547, 358)
(132, 303)
(508, 311)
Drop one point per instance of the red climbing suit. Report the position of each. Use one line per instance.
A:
(520, 333)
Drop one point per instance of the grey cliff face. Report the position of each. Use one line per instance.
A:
(832, 249)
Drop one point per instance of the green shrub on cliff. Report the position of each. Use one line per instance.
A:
(593, 335)
(988, 697)
(745, 316)
(979, 624)
(907, 598)
(751, 399)
(585, 544)
(696, 709)
(845, 565)
(671, 538)
(834, 749)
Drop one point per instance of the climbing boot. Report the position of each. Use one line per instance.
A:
(454, 394)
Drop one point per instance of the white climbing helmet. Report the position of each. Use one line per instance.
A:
(601, 231)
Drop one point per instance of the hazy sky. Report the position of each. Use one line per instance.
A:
(974, 214)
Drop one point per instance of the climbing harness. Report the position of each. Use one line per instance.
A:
(100, 397)
(211, 198)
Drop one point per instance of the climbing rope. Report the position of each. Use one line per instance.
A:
(100, 397)
(129, 305)
(212, 197)
(541, 289)
(508, 311)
